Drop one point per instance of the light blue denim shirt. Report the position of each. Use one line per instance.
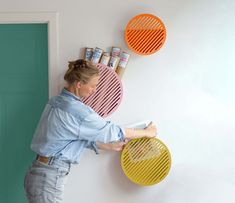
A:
(68, 126)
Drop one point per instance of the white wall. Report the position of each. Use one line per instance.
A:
(187, 88)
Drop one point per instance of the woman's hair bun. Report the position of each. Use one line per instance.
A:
(80, 70)
(80, 63)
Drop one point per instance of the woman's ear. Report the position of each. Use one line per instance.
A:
(78, 84)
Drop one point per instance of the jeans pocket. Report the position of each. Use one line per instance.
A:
(61, 180)
(34, 183)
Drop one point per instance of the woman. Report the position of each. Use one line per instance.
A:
(67, 126)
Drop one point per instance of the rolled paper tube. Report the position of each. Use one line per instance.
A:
(96, 55)
(124, 58)
(115, 51)
(88, 53)
(105, 58)
(113, 63)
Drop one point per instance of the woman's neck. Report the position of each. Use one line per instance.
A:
(73, 90)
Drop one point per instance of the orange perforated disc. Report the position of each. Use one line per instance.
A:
(145, 34)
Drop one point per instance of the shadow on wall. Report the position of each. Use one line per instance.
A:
(134, 192)
(118, 177)
(185, 183)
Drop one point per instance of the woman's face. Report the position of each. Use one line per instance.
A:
(86, 89)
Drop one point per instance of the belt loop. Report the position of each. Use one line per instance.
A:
(51, 159)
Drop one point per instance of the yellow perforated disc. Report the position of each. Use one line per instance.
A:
(146, 161)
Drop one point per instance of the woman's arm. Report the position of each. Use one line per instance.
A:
(113, 146)
(150, 131)
(130, 133)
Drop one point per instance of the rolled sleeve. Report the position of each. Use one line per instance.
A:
(121, 134)
(92, 145)
(95, 128)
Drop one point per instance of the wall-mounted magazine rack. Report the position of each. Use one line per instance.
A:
(145, 34)
(108, 95)
(146, 161)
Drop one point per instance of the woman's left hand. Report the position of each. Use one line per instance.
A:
(113, 146)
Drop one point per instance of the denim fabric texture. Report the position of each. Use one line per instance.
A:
(68, 126)
(44, 183)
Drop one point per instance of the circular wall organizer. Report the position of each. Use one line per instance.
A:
(108, 95)
(145, 34)
(146, 161)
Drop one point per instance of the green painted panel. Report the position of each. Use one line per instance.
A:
(23, 94)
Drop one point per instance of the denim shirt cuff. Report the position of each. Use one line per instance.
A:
(94, 147)
(121, 134)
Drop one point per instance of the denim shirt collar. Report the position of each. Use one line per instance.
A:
(66, 93)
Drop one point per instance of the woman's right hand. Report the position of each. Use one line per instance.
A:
(151, 131)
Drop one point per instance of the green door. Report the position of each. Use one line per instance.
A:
(23, 94)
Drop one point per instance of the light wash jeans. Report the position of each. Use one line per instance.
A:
(44, 183)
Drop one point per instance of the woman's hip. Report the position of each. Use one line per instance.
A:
(45, 183)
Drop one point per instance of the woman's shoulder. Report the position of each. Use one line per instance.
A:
(79, 109)
(74, 107)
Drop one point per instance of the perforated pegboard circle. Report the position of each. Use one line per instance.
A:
(145, 34)
(146, 161)
(108, 95)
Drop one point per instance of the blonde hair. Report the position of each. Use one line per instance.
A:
(81, 71)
